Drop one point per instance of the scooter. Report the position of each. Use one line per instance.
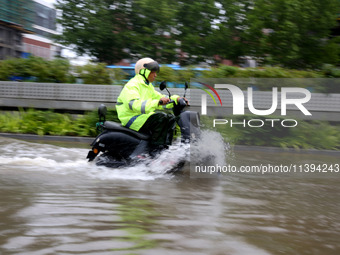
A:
(117, 146)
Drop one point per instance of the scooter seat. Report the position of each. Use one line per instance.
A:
(114, 126)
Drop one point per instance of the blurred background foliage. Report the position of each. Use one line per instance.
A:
(31, 121)
(289, 33)
(287, 38)
(47, 123)
(94, 74)
(35, 69)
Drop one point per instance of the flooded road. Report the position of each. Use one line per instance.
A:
(54, 202)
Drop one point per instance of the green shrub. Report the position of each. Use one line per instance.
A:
(94, 74)
(223, 71)
(59, 70)
(51, 123)
(36, 69)
(331, 71)
(117, 75)
(167, 74)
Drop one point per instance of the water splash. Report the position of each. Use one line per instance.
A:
(211, 146)
(59, 160)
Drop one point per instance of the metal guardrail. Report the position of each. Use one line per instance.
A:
(56, 96)
(88, 97)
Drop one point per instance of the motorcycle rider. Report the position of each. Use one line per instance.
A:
(139, 103)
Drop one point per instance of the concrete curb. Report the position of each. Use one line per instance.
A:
(31, 137)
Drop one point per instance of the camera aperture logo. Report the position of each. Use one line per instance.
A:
(209, 93)
(238, 106)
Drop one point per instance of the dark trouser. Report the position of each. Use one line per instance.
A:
(160, 126)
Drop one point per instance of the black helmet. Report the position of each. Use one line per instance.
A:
(152, 66)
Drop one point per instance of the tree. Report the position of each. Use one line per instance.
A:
(228, 38)
(292, 33)
(94, 27)
(289, 32)
(112, 30)
(151, 29)
(194, 26)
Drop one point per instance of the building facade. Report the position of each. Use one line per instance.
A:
(16, 18)
(26, 28)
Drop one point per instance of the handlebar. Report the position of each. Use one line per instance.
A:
(180, 102)
(161, 102)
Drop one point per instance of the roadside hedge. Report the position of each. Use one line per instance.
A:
(59, 70)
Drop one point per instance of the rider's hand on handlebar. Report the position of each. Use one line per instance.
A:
(164, 101)
(186, 100)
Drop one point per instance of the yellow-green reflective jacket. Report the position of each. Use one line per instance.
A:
(137, 102)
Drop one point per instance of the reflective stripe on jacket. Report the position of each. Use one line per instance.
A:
(137, 102)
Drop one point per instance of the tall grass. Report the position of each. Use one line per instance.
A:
(48, 123)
